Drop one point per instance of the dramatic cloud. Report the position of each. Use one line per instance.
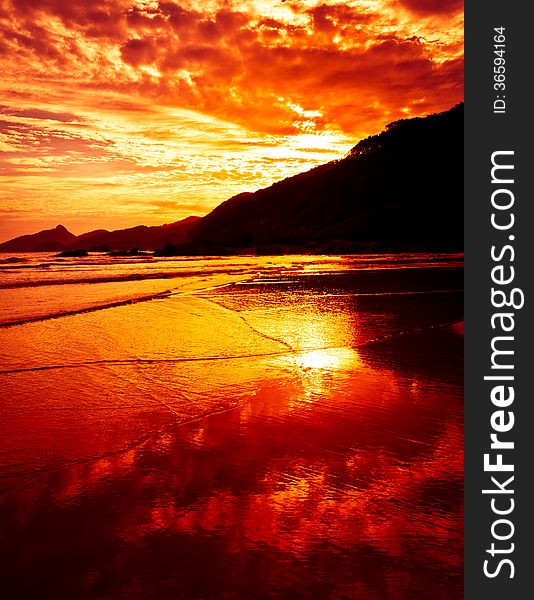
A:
(200, 100)
(433, 7)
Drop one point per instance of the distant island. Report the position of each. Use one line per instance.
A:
(396, 191)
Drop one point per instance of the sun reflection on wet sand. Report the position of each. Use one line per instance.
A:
(328, 359)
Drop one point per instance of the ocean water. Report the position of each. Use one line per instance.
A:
(234, 427)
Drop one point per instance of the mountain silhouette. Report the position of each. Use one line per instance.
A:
(399, 190)
(48, 240)
(142, 236)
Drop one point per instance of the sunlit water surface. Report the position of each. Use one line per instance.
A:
(248, 428)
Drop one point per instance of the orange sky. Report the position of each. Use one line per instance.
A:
(116, 112)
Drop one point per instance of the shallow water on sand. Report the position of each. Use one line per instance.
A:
(248, 428)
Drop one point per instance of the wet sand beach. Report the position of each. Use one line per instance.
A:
(246, 428)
